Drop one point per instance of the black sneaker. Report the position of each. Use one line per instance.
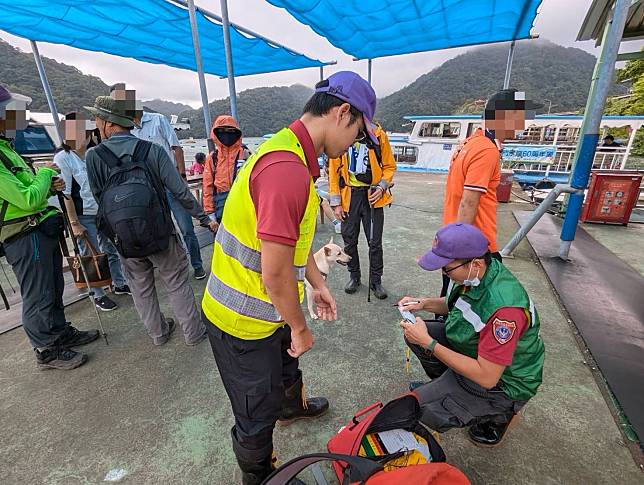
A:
(60, 358)
(122, 290)
(75, 337)
(200, 274)
(378, 291)
(105, 304)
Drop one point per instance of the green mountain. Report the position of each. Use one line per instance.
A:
(261, 110)
(545, 71)
(167, 108)
(71, 88)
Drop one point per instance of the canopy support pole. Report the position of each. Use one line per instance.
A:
(629, 147)
(229, 60)
(47, 89)
(508, 66)
(589, 134)
(369, 70)
(200, 73)
(321, 73)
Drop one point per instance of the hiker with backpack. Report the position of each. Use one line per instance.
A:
(129, 178)
(81, 204)
(221, 165)
(30, 231)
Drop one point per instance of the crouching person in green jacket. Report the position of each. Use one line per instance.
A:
(30, 231)
(486, 359)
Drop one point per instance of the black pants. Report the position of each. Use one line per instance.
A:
(495, 255)
(37, 262)
(255, 374)
(360, 213)
(453, 401)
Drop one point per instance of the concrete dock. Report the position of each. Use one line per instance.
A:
(160, 415)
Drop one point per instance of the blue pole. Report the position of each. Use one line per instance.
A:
(229, 60)
(589, 135)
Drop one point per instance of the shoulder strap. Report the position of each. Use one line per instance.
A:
(359, 469)
(236, 165)
(13, 169)
(108, 156)
(141, 151)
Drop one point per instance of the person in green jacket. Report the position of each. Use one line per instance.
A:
(486, 358)
(30, 232)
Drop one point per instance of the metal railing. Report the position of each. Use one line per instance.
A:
(606, 158)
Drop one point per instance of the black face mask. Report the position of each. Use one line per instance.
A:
(227, 138)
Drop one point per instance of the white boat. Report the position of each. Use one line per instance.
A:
(546, 147)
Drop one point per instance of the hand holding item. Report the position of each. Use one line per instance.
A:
(50, 165)
(339, 213)
(213, 226)
(375, 193)
(301, 342)
(78, 229)
(416, 333)
(326, 308)
(57, 184)
(411, 303)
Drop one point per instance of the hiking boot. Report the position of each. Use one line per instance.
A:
(378, 291)
(352, 286)
(164, 338)
(200, 274)
(105, 304)
(296, 406)
(122, 290)
(255, 464)
(58, 357)
(489, 434)
(74, 337)
(413, 385)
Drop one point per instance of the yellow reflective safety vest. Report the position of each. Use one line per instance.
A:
(235, 299)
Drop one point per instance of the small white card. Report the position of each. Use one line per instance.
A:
(399, 439)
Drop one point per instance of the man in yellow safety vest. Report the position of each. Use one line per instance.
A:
(261, 255)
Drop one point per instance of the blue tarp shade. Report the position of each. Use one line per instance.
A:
(367, 29)
(153, 31)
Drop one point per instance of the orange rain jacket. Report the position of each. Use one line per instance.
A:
(220, 180)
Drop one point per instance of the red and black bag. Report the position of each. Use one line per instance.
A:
(365, 471)
(400, 413)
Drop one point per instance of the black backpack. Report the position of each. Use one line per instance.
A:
(133, 211)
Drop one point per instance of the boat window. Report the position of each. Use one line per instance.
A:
(440, 130)
(34, 139)
(405, 154)
(472, 127)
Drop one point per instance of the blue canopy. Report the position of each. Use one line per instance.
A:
(155, 31)
(367, 29)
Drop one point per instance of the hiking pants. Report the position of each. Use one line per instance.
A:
(172, 265)
(360, 213)
(450, 400)
(37, 262)
(255, 374)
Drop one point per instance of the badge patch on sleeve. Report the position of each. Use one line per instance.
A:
(503, 330)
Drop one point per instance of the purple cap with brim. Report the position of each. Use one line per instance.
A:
(454, 241)
(350, 87)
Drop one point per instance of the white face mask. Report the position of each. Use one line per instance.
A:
(474, 281)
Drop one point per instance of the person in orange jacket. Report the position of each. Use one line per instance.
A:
(360, 181)
(220, 169)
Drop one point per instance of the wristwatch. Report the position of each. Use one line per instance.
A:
(432, 346)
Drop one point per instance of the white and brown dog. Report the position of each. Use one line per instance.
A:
(325, 258)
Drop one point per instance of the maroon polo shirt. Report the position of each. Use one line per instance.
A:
(280, 185)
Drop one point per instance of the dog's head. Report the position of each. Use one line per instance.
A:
(335, 254)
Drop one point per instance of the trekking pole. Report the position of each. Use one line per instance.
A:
(370, 240)
(68, 228)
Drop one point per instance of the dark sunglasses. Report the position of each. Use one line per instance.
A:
(448, 271)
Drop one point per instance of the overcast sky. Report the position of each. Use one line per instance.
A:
(558, 21)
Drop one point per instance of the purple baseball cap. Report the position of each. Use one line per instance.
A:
(6, 96)
(454, 241)
(350, 87)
